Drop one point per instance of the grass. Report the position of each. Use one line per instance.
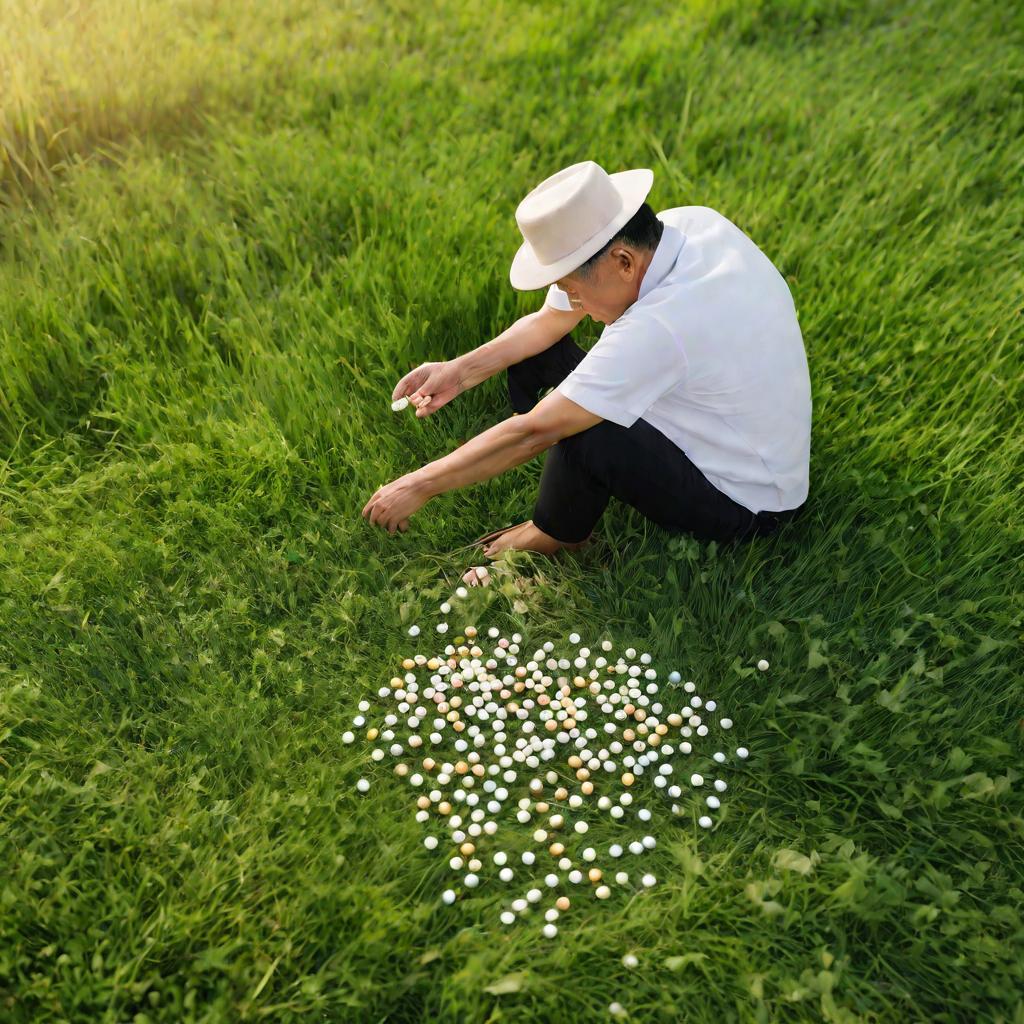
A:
(81, 79)
(199, 332)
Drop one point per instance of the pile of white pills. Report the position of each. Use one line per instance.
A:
(514, 759)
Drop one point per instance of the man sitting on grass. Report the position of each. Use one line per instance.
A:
(693, 406)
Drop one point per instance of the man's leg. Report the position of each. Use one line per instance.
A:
(544, 370)
(640, 466)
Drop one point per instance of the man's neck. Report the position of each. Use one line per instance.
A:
(648, 260)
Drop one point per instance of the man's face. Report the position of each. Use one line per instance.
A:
(613, 286)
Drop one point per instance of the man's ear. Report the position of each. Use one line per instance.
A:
(625, 260)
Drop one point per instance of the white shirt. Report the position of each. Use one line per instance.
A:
(710, 354)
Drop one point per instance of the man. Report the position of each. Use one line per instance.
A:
(693, 406)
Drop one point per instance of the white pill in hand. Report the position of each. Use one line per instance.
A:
(399, 404)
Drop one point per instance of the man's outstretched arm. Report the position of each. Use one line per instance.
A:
(506, 444)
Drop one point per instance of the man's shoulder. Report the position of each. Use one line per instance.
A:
(655, 321)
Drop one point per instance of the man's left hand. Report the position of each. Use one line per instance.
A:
(392, 504)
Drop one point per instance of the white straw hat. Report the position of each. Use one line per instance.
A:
(570, 216)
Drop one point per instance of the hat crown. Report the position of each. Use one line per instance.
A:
(570, 211)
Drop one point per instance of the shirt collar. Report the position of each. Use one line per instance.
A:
(669, 244)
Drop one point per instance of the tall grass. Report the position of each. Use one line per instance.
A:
(197, 346)
(78, 79)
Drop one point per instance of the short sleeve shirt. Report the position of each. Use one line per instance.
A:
(710, 354)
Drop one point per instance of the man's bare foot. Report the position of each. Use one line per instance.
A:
(527, 537)
(524, 537)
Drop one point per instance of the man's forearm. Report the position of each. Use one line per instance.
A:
(501, 447)
(524, 338)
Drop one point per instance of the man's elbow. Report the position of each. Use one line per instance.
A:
(538, 435)
(555, 417)
(539, 439)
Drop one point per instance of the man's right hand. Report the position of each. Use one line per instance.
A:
(430, 386)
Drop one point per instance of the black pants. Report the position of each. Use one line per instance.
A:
(638, 465)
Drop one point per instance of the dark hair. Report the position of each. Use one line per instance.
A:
(642, 230)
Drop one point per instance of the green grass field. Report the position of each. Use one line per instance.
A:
(200, 329)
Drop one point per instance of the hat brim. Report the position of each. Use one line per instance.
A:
(528, 273)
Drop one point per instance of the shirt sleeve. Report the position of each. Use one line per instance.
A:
(626, 372)
(557, 298)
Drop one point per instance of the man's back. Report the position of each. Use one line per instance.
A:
(711, 355)
(744, 407)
